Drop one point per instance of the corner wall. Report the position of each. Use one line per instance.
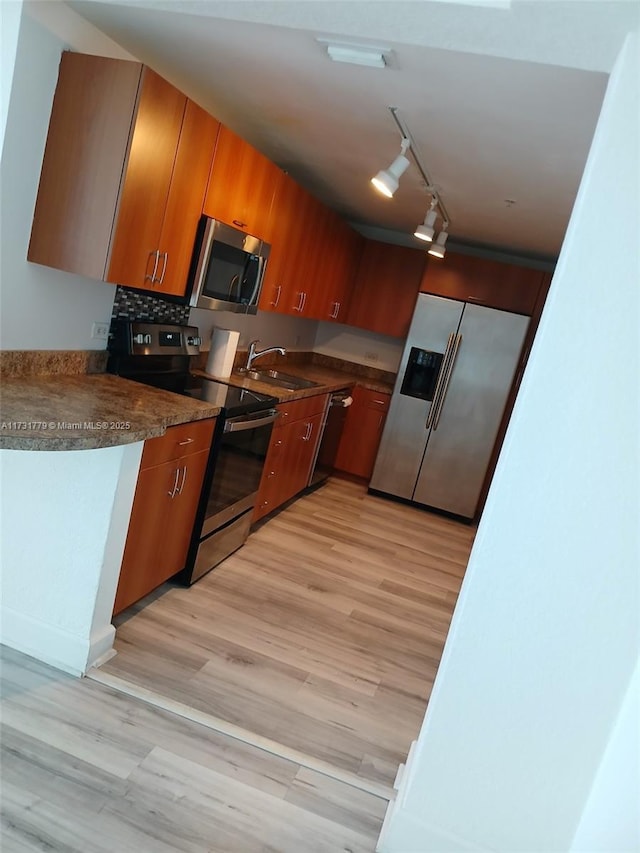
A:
(41, 308)
(544, 641)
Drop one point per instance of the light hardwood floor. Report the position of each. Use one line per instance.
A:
(323, 633)
(90, 770)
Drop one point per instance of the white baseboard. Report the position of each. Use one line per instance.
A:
(51, 645)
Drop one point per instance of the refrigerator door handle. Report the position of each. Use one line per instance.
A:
(440, 381)
(447, 380)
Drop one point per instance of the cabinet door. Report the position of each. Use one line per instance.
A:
(182, 512)
(386, 288)
(341, 255)
(142, 548)
(242, 185)
(87, 143)
(362, 432)
(484, 282)
(145, 190)
(292, 262)
(186, 196)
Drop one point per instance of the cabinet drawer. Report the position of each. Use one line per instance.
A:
(298, 409)
(180, 440)
(377, 400)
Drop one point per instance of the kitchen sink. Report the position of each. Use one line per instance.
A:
(278, 378)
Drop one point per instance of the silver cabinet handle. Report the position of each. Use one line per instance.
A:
(152, 277)
(447, 380)
(300, 304)
(307, 435)
(304, 300)
(165, 256)
(172, 493)
(440, 380)
(186, 441)
(277, 299)
(336, 311)
(184, 478)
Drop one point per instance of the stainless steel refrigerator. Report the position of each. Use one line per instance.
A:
(453, 382)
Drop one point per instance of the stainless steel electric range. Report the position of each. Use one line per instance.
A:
(162, 355)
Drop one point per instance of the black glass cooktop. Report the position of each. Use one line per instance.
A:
(234, 401)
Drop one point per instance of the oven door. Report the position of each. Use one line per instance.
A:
(237, 468)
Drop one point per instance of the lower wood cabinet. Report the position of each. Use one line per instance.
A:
(169, 484)
(294, 442)
(362, 432)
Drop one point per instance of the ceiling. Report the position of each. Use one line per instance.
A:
(500, 98)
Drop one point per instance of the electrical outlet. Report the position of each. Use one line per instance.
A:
(371, 356)
(100, 331)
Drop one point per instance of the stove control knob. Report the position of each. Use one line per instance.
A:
(194, 341)
(142, 339)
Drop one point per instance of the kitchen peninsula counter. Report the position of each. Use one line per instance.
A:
(88, 411)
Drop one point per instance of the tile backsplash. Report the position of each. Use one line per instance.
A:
(135, 305)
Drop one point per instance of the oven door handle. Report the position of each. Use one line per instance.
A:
(243, 422)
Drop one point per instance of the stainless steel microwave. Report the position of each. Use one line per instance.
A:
(227, 268)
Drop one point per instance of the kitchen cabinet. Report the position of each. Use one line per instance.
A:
(124, 175)
(386, 288)
(242, 186)
(286, 285)
(341, 248)
(484, 282)
(291, 453)
(167, 493)
(362, 432)
(313, 258)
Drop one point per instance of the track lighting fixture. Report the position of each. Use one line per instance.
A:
(426, 231)
(437, 249)
(386, 181)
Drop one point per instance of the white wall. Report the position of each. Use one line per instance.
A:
(41, 308)
(544, 640)
(358, 345)
(64, 522)
(10, 12)
(270, 329)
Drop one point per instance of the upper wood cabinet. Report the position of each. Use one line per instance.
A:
(313, 257)
(126, 155)
(386, 287)
(242, 186)
(341, 248)
(287, 287)
(484, 282)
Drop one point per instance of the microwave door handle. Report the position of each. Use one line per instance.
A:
(253, 299)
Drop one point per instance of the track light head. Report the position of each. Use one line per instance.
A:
(426, 231)
(387, 180)
(437, 249)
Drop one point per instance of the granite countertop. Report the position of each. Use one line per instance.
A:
(328, 379)
(88, 411)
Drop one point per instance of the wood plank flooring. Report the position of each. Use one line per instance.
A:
(323, 633)
(91, 770)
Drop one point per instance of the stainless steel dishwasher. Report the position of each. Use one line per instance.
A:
(334, 418)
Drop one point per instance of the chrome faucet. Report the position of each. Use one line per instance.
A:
(254, 353)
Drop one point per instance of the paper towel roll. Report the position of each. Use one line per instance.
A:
(224, 343)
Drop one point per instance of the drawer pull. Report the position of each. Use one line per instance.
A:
(186, 441)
